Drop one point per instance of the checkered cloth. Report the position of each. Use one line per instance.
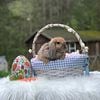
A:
(73, 64)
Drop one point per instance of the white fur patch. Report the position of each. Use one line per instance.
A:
(69, 88)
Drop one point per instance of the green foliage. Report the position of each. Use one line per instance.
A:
(86, 14)
(12, 35)
(4, 74)
(74, 23)
(22, 8)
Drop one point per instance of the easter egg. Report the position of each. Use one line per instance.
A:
(21, 68)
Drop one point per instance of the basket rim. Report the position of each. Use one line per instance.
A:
(68, 28)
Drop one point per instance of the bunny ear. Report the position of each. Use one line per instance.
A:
(52, 50)
(65, 47)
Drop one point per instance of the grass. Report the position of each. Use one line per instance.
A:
(4, 74)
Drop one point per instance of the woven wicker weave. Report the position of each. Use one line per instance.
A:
(62, 68)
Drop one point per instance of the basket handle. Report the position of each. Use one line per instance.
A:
(69, 29)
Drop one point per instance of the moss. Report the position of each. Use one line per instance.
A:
(90, 35)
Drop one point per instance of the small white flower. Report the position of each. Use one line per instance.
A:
(30, 50)
(86, 49)
(83, 45)
(70, 30)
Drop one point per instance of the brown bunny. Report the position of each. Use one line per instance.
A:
(53, 50)
(43, 54)
(57, 48)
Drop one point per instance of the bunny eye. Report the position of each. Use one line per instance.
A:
(58, 42)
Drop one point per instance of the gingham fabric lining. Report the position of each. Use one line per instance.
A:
(73, 64)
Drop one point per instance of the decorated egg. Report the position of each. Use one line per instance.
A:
(21, 68)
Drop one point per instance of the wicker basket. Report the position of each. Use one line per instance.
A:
(70, 66)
